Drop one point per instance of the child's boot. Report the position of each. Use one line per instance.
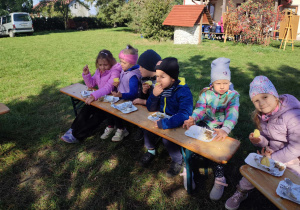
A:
(120, 134)
(69, 138)
(107, 132)
(147, 158)
(218, 188)
(234, 201)
(174, 169)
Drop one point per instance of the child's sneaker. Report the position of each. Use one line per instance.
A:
(234, 201)
(184, 174)
(174, 169)
(218, 188)
(146, 159)
(107, 132)
(120, 134)
(69, 138)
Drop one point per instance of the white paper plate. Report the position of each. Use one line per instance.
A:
(254, 159)
(293, 194)
(86, 93)
(125, 107)
(110, 99)
(200, 133)
(157, 116)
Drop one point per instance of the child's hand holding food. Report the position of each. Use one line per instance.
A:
(86, 70)
(188, 123)
(116, 82)
(254, 137)
(157, 89)
(146, 86)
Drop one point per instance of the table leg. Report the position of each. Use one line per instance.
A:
(77, 104)
(187, 154)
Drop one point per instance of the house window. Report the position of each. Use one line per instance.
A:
(75, 6)
(211, 9)
(3, 20)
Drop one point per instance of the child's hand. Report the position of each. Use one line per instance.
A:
(86, 70)
(188, 123)
(116, 94)
(253, 139)
(155, 124)
(139, 101)
(157, 89)
(89, 100)
(146, 87)
(265, 152)
(221, 134)
(116, 84)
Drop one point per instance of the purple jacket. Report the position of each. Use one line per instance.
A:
(282, 132)
(103, 81)
(125, 77)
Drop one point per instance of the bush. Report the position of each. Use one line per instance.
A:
(156, 13)
(56, 23)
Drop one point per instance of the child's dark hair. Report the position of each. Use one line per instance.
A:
(129, 50)
(106, 54)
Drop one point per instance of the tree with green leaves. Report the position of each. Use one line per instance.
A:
(8, 6)
(59, 6)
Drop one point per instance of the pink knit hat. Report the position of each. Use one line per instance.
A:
(262, 84)
(128, 57)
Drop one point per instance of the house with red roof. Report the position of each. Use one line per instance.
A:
(188, 21)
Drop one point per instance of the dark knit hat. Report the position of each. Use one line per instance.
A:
(148, 60)
(169, 66)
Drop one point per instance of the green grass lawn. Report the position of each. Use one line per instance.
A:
(39, 171)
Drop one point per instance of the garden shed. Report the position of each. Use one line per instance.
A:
(188, 20)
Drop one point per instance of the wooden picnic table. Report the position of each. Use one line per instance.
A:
(267, 185)
(217, 151)
(3, 109)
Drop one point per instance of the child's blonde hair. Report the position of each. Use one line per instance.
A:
(107, 55)
(255, 118)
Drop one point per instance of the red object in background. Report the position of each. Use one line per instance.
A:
(278, 10)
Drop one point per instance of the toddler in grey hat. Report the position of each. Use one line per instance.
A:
(220, 69)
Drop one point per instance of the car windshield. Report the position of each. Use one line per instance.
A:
(21, 17)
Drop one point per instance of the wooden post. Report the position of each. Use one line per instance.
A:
(200, 28)
(223, 6)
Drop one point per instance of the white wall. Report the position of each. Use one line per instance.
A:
(186, 35)
(77, 10)
(297, 3)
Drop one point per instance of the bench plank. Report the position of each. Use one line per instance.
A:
(220, 152)
(267, 185)
(3, 109)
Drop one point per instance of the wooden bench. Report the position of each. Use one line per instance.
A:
(3, 109)
(213, 34)
(267, 185)
(217, 151)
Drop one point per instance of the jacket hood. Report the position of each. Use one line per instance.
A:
(288, 102)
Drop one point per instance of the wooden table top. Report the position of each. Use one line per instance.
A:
(267, 185)
(3, 109)
(220, 152)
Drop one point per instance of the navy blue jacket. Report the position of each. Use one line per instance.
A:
(179, 105)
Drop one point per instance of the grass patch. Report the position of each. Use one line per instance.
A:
(40, 171)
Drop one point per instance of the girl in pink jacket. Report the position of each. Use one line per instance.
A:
(278, 119)
(90, 117)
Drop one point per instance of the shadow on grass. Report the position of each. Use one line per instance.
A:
(40, 171)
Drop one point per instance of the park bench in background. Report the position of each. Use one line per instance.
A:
(217, 151)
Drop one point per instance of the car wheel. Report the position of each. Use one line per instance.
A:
(11, 33)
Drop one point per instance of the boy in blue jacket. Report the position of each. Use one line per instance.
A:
(173, 99)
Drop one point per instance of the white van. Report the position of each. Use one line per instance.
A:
(14, 23)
